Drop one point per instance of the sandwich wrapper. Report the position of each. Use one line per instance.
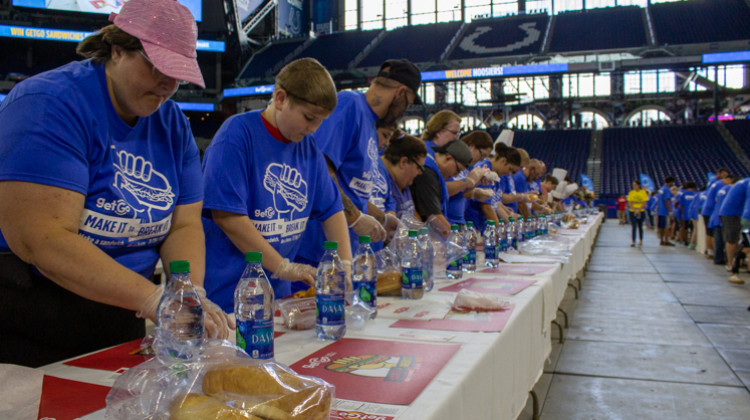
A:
(469, 300)
(222, 383)
(20, 392)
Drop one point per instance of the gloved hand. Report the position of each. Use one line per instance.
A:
(491, 178)
(368, 225)
(148, 307)
(482, 194)
(390, 224)
(524, 198)
(295, 272)
(216, 322)
(348, 274)
(476, 175)
(438, 225)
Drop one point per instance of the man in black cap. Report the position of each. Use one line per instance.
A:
(429, 190)
(349, 140)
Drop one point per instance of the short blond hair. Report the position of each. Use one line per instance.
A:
(438, 122)
(306, 80)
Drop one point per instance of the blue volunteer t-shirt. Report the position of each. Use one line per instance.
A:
(698, 201)
(651, 204)
(708, 206)
(734, 202)
(474, 211)
(279, 186)
(382, 197)
(507, 186)
(59, 128)
(521, 186)
(715, 220)
(686, 202)
(401, 198)
(535, 187)
(661, 205)
(746, 207)
(676, 209)
(457, 202)
(350, 141)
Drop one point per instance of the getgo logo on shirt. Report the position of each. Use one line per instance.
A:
(269, 212)
(120, 207)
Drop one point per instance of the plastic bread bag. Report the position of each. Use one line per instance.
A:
(224, 383)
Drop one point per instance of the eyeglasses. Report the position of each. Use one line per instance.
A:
(456, 133)
(155, 71)
(458, 168)
(419, 166)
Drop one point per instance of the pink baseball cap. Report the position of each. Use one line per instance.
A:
(168, 33)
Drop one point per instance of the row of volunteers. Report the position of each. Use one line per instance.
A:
(106, 180)
(723, 206)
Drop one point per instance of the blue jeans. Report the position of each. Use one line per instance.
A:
(636, 221)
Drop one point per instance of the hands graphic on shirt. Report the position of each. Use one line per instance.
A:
(287, 186)
(140, 185)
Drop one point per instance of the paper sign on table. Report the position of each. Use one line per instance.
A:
(518, 269)
(495, 285)
(63, 399)
(413, 309)
(379, 371)
(462, 321)
(126, 355)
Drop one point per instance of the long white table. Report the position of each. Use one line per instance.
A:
(490, 376)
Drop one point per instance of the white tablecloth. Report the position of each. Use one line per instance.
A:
(488, 378)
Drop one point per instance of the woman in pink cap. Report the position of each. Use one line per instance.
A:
(99, 178)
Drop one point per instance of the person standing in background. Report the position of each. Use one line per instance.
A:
(622, 203)
(663, 210)
(637, 199)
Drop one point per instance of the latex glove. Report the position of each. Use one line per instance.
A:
(290, 271)
(148, 307)
(491, 178)
(368, 225)
(476, 175)
(437, 224)
(348, 274)
(482, 194)
(390, 224)
(524, 198)
(216, 322)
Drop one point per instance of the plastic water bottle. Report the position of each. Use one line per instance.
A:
(330, 285)
(502, 236)
(470, 239)
(428, 258)
(510, 229)
(520, 230)
(412, 285)
(490, 244)
(454, 269)
(364, 275)
(253, 309)
(545, 226)
(529, 228)
(179, 317)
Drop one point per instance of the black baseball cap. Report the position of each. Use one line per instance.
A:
(404, 72)
(458, 149)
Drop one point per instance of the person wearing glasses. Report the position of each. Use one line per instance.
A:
(266, 181)
(466, 184)
(404, 160)
(429, 189)
(100, 177)
(349, 141)
(441, 128)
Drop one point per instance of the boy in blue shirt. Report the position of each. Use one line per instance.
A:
(663, 209)
(714, 221)
(730, 215)
(266, 181)
(708, 207)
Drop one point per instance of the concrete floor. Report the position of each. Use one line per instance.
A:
(656, 333)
